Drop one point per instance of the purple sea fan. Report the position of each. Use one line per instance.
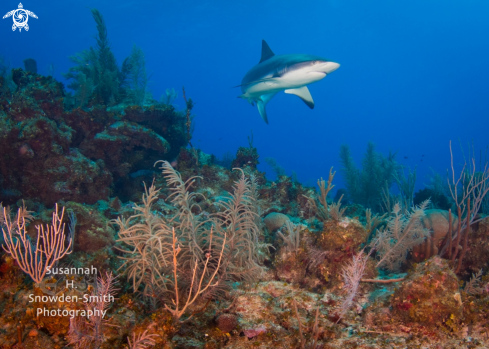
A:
(352, 275)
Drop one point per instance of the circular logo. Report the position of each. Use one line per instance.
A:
(20, 17)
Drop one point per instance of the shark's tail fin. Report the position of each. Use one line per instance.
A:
(262, 102)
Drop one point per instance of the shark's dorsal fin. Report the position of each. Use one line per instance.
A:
(266, 52)
(304, 94)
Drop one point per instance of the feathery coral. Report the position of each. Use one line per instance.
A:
(400, 236)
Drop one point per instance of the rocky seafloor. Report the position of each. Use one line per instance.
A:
(92, 161)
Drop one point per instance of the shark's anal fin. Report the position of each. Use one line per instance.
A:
(262, 102)
(304, 94)
(266, 52)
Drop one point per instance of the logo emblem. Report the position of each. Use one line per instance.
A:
(20, 17)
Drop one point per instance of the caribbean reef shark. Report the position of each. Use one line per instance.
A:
(289, 73)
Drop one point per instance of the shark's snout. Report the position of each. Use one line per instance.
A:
(329, 67)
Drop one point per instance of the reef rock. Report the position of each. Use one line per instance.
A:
(50, 153)
(115, 145)
(429, 295)
(93, 231)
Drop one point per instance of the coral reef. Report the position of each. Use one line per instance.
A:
(476, 259)
(341, 240)
(438, 199)
(301, 294)
(429, 296)
(365, 185)
(30, 65)
(246, 157)
(52, 154)
(436, 221)
(275, 220)
(227, 322)
(137, 77)
(210, 253)
(96, 79)
(401, 235)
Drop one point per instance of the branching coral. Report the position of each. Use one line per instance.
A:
(202, 278)
(293, 238)
(137, 76)
(141, 341)
(402, 233)
(468, 192)
(6, 82)
(352, 275)
(372, 222)
(169, 97)
(315, 329)
(189, 257)
(320, 204)
(107, 84)
(336, 211)
(406, 188)
(87, 332)
(190, 226)
(96, 74)
(365, 185)
(277, 169)
(473, 286)
(149, 245)
(238, 221)
(51, 246)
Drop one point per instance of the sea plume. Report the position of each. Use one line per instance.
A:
(352, 275)
(402, 233)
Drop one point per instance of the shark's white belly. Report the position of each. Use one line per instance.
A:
(299, 78)
(290, 80)
(256, 90)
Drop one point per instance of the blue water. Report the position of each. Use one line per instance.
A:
(414, 74)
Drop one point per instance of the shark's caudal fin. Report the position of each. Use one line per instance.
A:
(304, 94)
(266, 52)
(262, 102)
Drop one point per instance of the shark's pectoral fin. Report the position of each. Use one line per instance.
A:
(263, 112)
(262, 102)
(304, 94)
(266, 98)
